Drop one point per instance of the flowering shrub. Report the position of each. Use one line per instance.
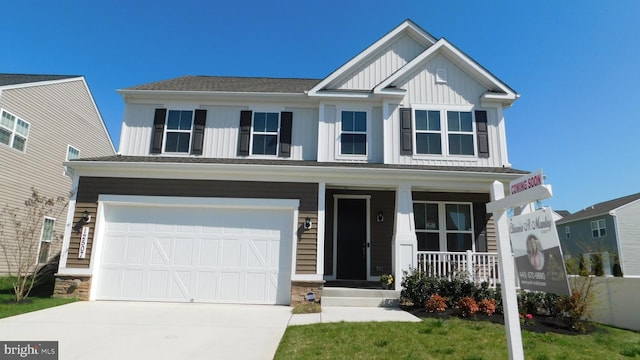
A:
(386, 280)
(467, 307)
(436, 303)
(487, 306)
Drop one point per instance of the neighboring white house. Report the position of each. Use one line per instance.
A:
(45, 120)
(256, 190)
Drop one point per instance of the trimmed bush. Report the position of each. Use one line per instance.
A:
(436, 303)
(467, 307)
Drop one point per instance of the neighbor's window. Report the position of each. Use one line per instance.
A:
(72, 153)
(567, 232)
(460, 132)
(265, 133)
(598, 228)
(443, 226)
(178, 131)
(353, 136)
(45, 239)
(428, 134)
(13, 131)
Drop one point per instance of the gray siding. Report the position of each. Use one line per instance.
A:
(91, 187)
(59, 115)
(581, 240)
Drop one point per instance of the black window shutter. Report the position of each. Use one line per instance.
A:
(406, 141)
(483, 133)
(158, 131)
(199, 123)
(245, 132)
(286, 123)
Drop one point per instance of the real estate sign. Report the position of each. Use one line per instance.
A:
(538, 256)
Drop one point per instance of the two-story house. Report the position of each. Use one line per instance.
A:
(254, 190)
(604, 235)
(45, 120)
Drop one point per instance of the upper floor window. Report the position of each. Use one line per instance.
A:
(14, 131)
(178, 131)
(598, 228)
(72, 153)
(460, 132)
(265, 133)
(428, 134)
(567, 232)
(353, 135)
(457, 136)
(443, 226)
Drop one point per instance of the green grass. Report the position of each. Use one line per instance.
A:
(33, 303)
(448, 339)
(307, 308)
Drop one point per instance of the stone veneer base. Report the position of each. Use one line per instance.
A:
(69, 286)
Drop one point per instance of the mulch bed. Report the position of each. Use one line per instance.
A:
(539, 323)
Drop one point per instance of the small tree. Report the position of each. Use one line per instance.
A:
(20, 235)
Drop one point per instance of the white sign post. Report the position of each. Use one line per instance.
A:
(498, 207)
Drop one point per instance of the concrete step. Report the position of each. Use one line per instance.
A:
(333, 296)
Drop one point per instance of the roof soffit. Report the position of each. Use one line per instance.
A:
(407, 28)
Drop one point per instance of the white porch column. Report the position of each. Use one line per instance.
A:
(405, 243)
(322, 188)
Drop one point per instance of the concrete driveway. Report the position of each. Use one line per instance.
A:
(138, 330)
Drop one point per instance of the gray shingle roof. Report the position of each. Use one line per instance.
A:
(202, 160)
(16, 79)
(600, 208)
(231, 84)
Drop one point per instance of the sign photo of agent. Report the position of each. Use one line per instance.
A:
(538, 256)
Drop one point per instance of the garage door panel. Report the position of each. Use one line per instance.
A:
(209, 252)
(196, 254)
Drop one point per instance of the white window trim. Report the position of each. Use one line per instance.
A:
(66, 172)
(165, 130)
(442, 223)
(444, 132)
(13, 132)
(41, 240)
(598, 228)
(567, 232)
(338, 135)
(277, 133)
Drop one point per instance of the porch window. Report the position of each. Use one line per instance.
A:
(443, 226)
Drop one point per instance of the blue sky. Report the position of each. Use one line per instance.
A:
(577, 67)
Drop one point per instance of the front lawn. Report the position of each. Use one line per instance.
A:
(448, 339)
(9, 308)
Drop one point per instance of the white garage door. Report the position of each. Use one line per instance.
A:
(196, 255)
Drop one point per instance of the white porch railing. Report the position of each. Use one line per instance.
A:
(479, 267)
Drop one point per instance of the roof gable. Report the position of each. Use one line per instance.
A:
(496, 89)
(400, 45)
(603, 208)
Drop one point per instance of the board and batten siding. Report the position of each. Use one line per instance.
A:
(379, 65)
(59, 114)
(221, 130)
(628, 226)
(91, 187)
(460, 90)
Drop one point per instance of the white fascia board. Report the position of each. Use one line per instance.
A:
(346, 176)
(191, 202)
(383, 41)
(41, 83)
(95, 107)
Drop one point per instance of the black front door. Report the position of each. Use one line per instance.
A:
(352, 239)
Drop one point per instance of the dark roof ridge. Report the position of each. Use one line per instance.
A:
(17, 79)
